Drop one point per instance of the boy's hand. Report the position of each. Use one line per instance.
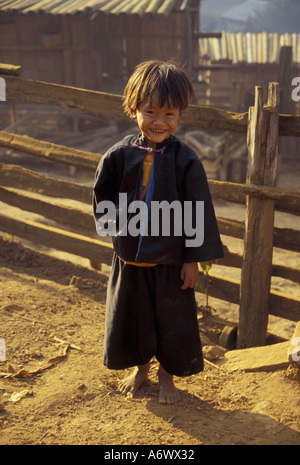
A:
(189, 275)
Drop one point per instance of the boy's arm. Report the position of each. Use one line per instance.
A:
(204, 223)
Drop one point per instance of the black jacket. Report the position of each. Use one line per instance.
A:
(178, 175)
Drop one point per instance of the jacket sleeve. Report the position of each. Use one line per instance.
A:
(107, 180)
(202, 238)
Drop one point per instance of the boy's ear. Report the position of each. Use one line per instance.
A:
(180, 115)
(132, 112)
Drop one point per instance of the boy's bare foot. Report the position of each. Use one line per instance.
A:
(132, 383)
(168, 394)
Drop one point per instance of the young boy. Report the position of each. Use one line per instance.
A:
(150, 308)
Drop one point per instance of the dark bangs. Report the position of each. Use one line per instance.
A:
(172, 87)
(167, 81)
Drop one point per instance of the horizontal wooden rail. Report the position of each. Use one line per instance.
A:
(68, 217)
(83, 222)
(56, 238)
(49, 151)
(284, 238)
(285, 272)
(96, 250)
(22, 178)
(109, 106)
(10, 70)
(235, 260)
(281, 304)
(285, 200)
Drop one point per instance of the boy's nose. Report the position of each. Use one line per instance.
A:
(159, 120)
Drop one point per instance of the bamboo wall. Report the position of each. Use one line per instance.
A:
(262, 48)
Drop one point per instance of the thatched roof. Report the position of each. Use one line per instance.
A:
(93, 7)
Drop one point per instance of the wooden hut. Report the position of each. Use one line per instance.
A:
(233, 64)
(83, 43)
(249, 60)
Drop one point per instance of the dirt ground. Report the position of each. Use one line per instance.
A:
(45, 300)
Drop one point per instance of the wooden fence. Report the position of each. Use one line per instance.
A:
(75, 232)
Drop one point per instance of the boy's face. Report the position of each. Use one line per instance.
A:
(156, 123)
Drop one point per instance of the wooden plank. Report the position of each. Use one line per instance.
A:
(58, 239)
(69, 217)
(67, 52)
(220, 288)
(101, 104)
(257, 265)
(81, 50)
(235, 260)
(21, 178)
(281, 305)
(285, 78)
(284, 306)
(287, 239)
(109, 106)
(136, 40)
(114, 46)
(231, 227)
(180, 37)
(8, 34)
(286, 272)
(27, 31)
(284, 238)
(285, 200)
(213, 118)
(10, 70)
(83, 101)
(235, 228)
(49, 151)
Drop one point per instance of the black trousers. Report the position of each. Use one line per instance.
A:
(147, 315)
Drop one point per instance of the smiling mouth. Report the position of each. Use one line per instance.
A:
(157, 131)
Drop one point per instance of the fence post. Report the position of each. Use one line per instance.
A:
(262, 151)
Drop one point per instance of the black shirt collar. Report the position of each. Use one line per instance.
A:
(140, 139)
